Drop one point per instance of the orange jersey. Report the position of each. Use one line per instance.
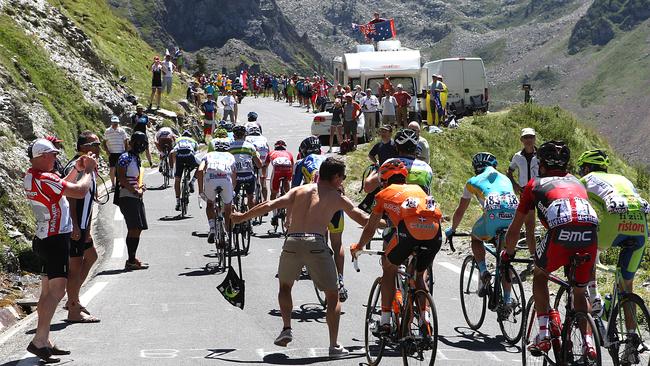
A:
(409, 203)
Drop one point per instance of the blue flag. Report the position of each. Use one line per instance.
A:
(377, 31)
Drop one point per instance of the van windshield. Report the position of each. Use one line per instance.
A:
(376, 84)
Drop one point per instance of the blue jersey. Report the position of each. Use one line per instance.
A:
(306, 170)
(492, 189)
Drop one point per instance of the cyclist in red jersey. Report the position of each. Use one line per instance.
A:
(563, 208)
(282, 162)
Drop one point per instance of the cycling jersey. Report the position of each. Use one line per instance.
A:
(185, 146)
(248, 125)
(261, 145)
(282, 163)
(165, 132)
(622, 215)
(420, 173)
(244, 152)
(218, 173)
(51, 210)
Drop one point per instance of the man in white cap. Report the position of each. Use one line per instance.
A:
(116, 142)
(47, 194)
(526, 164)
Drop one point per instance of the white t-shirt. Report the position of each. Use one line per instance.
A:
(115, 140)
(369, 103)
(167, 69)
(229, 102)
(388, 105)
(526, 171)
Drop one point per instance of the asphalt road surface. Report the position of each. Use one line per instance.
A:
(172, 313)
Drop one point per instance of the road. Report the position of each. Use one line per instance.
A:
(172, 313)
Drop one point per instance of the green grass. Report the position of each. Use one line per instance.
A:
(492, 52)
(440, 50)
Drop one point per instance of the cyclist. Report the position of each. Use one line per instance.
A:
(247, 160)
(306, 171)
(184, 153)
(252, 121)
(497, 198)
(217, 169)
(282, 164)
(165, 140)
(414, 220)
(563, 208)
(623, 223)
(226, 125)
(262, 146)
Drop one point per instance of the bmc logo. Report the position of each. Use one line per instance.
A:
(575, 236)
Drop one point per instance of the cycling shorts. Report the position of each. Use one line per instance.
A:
(247, 181)
(166, 144)
(279, 174)
(401, 243)
(487, 226)
(560, 243)
(629, 259)
(337, 224)
(53, 253)
(613, 225)
(79, 247)
(183, 161)
(210, 184)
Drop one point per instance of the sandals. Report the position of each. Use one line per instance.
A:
(83, 309)
(86, 320)
(43, 353)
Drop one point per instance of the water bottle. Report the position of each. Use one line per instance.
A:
(397, 302)
(608, 304)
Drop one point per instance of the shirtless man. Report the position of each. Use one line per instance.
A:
(305, 244)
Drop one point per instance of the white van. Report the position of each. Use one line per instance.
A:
(465, 78)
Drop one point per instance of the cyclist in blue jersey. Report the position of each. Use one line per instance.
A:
(496, 196)
(306, 171)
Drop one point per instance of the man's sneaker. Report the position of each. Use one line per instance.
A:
(540, 346)
(484, 284)
(284, 338)
(506, 309)
(343, 292)
(211, 236)
(631, 352)
(338, 351)
(135, 265)
(178, 205)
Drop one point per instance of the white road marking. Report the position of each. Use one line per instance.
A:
(118, 215)
(88, 296)
(187, 254)
(119, 245)
(451, 267)
(493, 356)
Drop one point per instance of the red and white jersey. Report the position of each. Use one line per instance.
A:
(280, 160)
(51, 210)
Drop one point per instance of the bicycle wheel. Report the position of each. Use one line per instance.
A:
(473, 306)
(321, 297)
(165, 172)
(430, 279)
(185, 194)
(573, 340)
(374, 343)
(221, 245)
(632, 344)
(419, 338)
(511, 318)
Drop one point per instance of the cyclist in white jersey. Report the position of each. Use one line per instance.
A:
(262, 146)
(217, 169)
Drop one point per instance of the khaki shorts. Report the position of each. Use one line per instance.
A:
(313, 253)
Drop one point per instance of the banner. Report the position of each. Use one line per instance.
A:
(377, 31)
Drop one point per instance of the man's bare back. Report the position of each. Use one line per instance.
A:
(313, 206)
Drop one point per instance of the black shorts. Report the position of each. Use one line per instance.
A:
(53, 253)
(112, 159)
(247, 181)
(78, 247)
(134, 214)
(183, 161)
(401, 243)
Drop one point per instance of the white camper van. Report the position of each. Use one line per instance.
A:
(465, 78)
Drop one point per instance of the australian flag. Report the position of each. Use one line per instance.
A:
(377, 31)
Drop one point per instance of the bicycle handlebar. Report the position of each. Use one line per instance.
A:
(450, 239)
(355, 257)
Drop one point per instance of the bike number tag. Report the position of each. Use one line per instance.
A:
(616, 204)
(585, 211)
(558, 212)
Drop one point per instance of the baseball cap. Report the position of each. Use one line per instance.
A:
(387, 128)
(115, 120)
(527, 132)
(41, 147)
(53, 139)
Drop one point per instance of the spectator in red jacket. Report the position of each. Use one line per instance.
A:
(403, 99)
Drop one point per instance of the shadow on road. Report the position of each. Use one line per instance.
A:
(53, 328)
(208, 270)
(203, 234)
(159, 188)
(280, 358)
(476, 341)
(306, 314)
(110, 272)
(174, 218)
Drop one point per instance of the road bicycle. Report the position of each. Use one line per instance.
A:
(414, 333)
(165, 168)
(258, 198)
(509, 316)
(567, 339)
(280, 214)
(185, 189)
(242, 232)
(220, 239)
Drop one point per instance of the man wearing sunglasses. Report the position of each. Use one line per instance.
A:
(82, 250)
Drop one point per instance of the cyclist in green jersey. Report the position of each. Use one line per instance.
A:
(184, 153)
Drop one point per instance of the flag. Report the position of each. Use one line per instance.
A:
(377, 31)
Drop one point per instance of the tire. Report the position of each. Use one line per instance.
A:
(528, 337)
(185, 196)
(512, 326)
(415, 348)
(572, 340)
(620, 333)
(374, 346)
(321, 297)
(430, 279)
(473, 306)
(165, 172)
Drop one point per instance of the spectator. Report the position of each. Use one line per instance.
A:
(180, 60)
(403, 100)
(335, 127)
(351, 111)
(156, 81)
(47, 194)
(167, 73)
(82, 250)
(388, 104)
(140, 122)
(384, 149)
(358, 93)
(209, 109)
(369, 106)
(58, 165)
(228, 104)
(376, 18)
(339, 92)
(527, 166)
(193, 94)
(116, 142)
(437, 106)
(308, 89)
(422, 150)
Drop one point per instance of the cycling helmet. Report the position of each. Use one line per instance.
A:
(406, 140)
(280, 145)
(392, 167)
(187, 133)
(239, 131)
(596, 157)
(221, 133)
(252, 116)
(226, 125)
(554, 154)
(139, 142)
(221, 144)
(253, 131)
(482, 160)
(308, 146)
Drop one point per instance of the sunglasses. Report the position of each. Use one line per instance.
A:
(92, 144)
(528, 137)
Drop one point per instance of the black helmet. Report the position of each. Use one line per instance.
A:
(139, 142)
(280, 145)
(252, 116)
(226, 125)
(187, 133)
(308, 146)
(239, 131)
(554, 154)
(406, 140)
(482, 160)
